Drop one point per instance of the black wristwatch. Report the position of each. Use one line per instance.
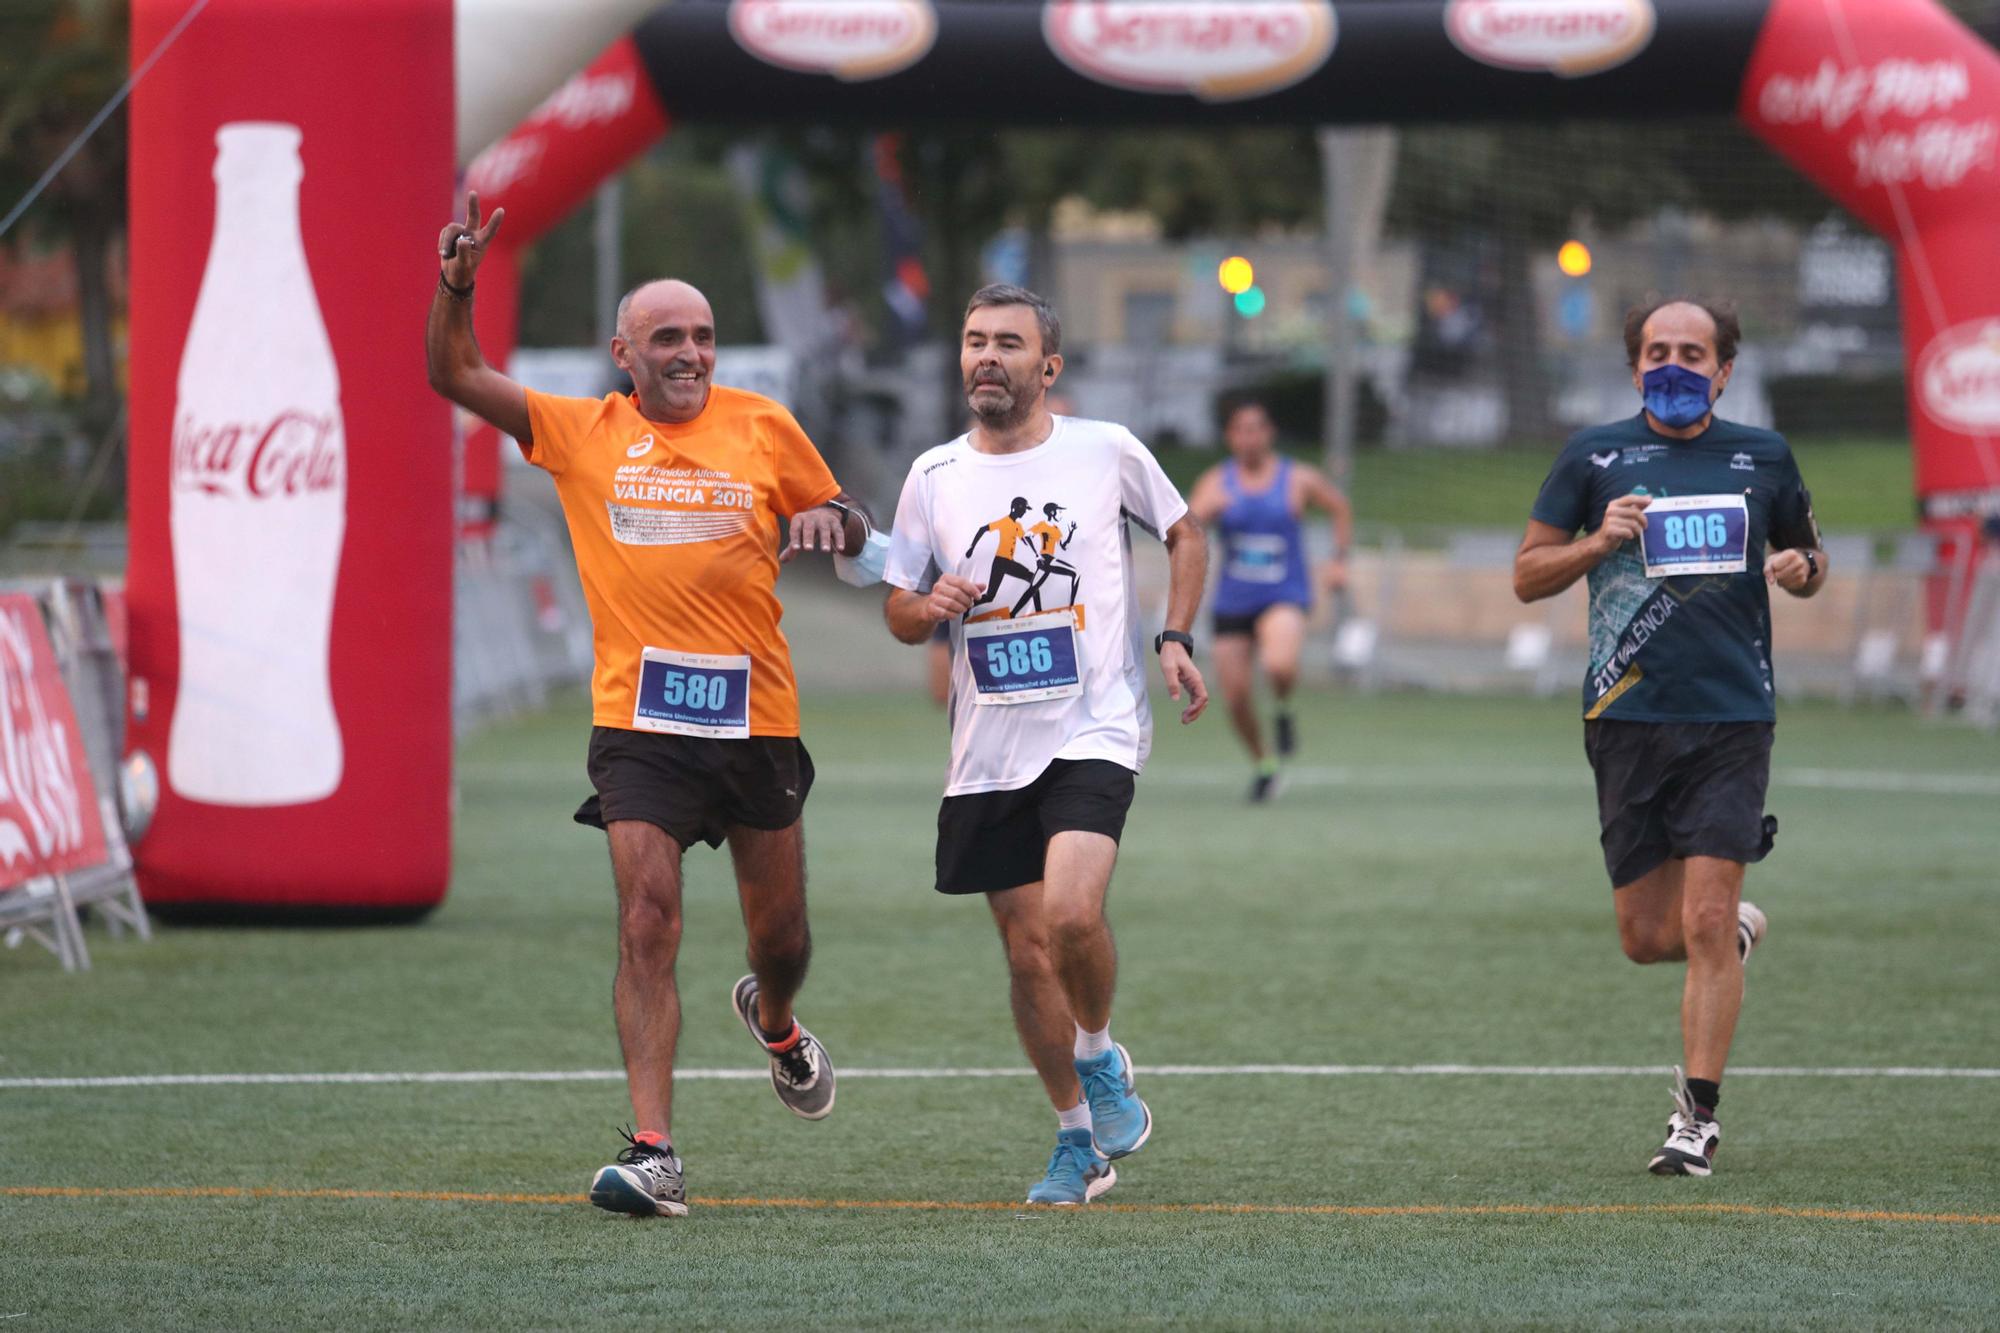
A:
(1167, 636)
(847, 511)
(1812, 563)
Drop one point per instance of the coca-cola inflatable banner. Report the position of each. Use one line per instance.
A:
(1894, 108)
(1891, 106)
(49, 821)
(289, 589)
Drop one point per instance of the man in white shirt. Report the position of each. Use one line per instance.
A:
(1049, 723)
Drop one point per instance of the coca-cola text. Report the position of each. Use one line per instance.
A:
(292, 454)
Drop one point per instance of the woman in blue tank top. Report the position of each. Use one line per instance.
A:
(1253, 504)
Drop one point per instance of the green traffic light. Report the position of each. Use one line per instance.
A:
(1250, 302)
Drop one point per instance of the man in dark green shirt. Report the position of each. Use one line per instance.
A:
(1677, 509)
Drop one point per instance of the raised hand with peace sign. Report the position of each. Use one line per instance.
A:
(451, 353)
(461, 245)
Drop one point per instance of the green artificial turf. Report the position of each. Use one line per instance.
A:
(1858, 486)
(1428, 891)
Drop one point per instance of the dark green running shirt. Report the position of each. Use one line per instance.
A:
(1686, 647)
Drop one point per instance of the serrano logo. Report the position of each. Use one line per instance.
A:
(640, 448)
(586, 100)
(1216, 50)
(1958, 377)
(853, 40)
(1565, 37)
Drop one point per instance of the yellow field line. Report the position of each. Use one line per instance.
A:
(993, 1206)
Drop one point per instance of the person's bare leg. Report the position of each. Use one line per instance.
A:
(1649, 915)
(1713, 995)
(1231, 657)
(1281, 637)
(1076, 874)
(771, 885)
(1041, 1013)
(647, 866)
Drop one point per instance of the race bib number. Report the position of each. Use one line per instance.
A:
(693, 694)
(1696, 534)
(1024, 659)
(1257, 557)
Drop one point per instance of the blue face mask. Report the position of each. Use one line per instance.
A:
(1676, 396)
(868, 566)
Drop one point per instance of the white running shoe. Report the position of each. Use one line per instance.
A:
(1750, 927)
(1691, 1137)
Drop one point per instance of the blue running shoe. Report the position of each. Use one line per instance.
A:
(1119, 1121)
(1077, 1174)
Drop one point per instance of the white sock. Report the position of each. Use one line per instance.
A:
(1089, 1044)
(1077, 1117)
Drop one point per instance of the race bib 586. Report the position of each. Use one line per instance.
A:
(1025, 658)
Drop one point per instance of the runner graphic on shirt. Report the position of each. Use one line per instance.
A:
(1011, 534)
(1050, 538)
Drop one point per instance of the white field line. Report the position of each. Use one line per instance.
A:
(1439, 778)
(1169, 1071)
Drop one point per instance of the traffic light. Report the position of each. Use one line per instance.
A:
(1250, 302)
(1236, 275)
(1573, 259)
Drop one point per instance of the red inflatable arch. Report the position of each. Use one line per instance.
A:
(1891, 106)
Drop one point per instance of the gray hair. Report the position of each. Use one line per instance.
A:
(1005, 293)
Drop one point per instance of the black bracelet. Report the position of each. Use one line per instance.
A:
(455, 293)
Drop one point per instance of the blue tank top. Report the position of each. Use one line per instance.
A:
(1263, 550)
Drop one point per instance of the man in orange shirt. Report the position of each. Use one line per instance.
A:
(673, 495)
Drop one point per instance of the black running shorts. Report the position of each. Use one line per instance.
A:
(696, 788)
(1245, 625)
(1679, 789)
(994, 840)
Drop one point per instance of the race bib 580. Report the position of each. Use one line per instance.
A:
(693, 694)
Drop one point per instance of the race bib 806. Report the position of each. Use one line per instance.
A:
(1696, 534)
(693, 694)
(1024, 659)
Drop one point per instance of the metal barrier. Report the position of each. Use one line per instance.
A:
(1971, 679)
(98, 874)
(521, 627)
(1436, 610)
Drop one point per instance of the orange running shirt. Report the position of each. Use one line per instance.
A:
(1010, 533)
(676, 534)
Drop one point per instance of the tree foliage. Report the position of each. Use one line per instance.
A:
(60, 62)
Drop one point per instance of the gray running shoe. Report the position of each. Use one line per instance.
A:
(645, 1181)
(801, 1075)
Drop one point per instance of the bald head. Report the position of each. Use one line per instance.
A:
(666, 343)
(662, 297)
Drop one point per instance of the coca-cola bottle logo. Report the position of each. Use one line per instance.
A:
(294, 453)
(38, 784)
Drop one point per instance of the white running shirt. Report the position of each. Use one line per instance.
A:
(1047, 524)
